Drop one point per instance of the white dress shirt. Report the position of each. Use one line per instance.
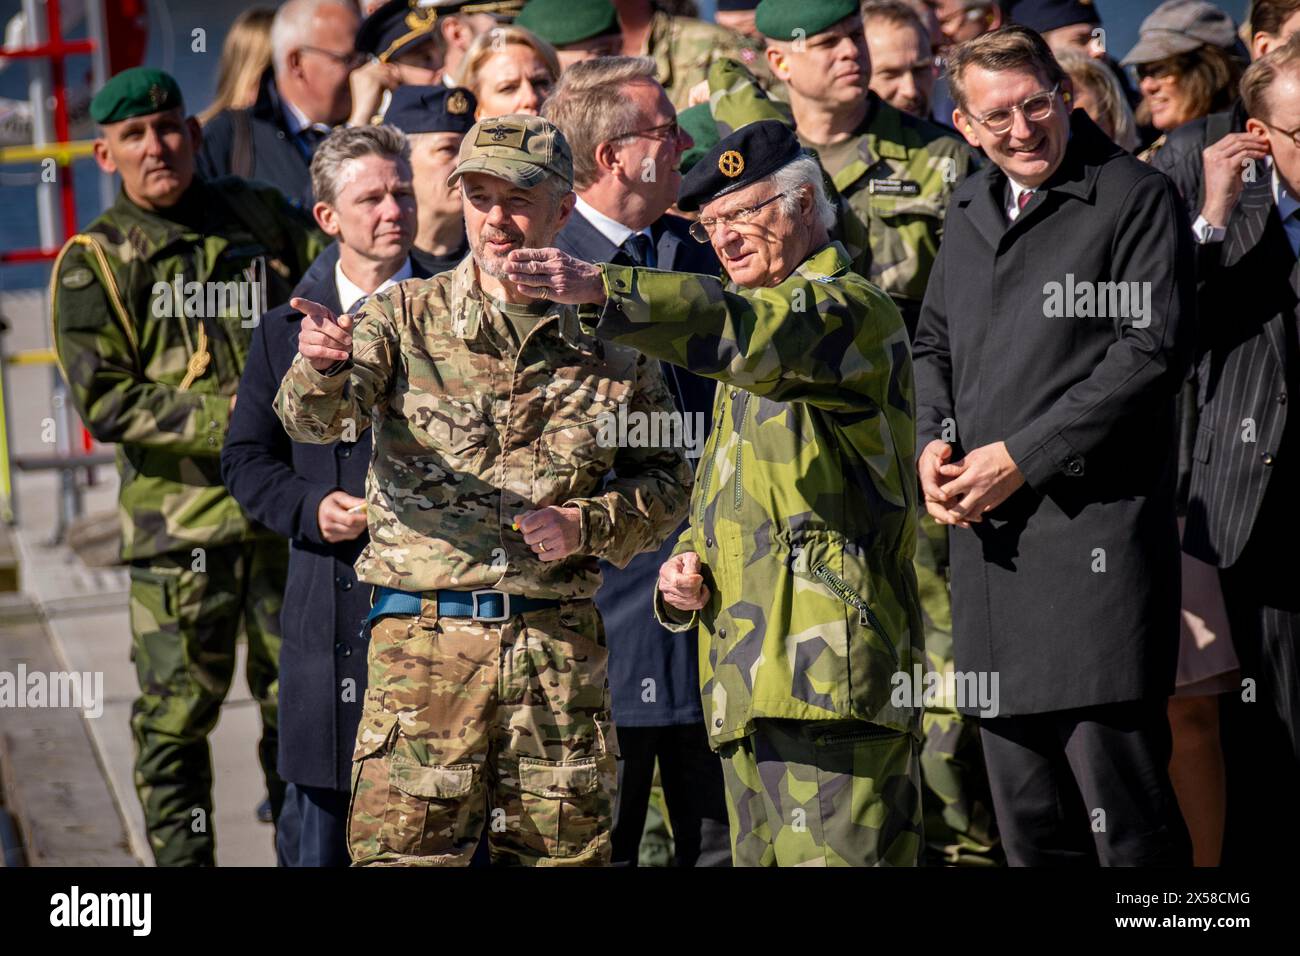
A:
(350, 292)
(611, 229)
(298, 121)
(1017, 190)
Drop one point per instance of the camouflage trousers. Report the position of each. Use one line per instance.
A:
(958, 805)
(187, 611)
(823, 793)
(470, 726)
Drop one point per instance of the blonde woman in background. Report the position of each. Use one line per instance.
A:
(244, 58)
(1097, 92)
(510, 70)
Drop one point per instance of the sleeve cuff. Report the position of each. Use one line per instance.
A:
(1206, 234)
(672, 619)
(214, 422)
(1051, 458)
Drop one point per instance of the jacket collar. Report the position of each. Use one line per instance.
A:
(826, 263)
(1085, 154)
(150, 233)
(882, 126)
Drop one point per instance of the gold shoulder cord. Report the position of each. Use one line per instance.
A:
(198, 361)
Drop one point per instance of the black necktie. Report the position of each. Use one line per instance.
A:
(310, 137)
(638, 250)
(356, 306)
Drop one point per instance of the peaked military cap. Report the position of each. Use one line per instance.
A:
(397, 27)
(431, 109)
(519, 149)
(746, 156)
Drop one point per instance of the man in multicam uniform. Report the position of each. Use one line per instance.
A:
(154, 306)
(797, 565)
(490, 498)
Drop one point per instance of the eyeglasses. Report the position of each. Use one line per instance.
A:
(702, 229)
(1293, 133)
(1036, 109)
(670, 131)
(351, 60)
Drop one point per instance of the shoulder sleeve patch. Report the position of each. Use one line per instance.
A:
(77, 278)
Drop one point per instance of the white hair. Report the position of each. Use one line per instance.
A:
(790, 179)
(291, 28)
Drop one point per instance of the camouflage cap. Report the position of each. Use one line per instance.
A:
(519, 149)
(138, 91)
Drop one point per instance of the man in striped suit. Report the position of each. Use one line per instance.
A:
(1247, 451)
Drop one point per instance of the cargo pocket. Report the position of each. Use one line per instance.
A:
(564, 803)
(426, 807)
(369, 781)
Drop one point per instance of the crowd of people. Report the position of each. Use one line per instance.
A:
(973, 341)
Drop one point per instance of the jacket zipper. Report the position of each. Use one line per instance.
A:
(740, 449)
(866, 616)
(708, 467)
(875, 731)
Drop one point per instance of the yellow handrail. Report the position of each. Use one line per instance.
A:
(65, 153)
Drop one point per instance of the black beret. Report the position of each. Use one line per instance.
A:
(734, 5)
(395, 28)
(431, 109)
(735, 161)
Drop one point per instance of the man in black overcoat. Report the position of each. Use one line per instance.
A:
(1056, 329)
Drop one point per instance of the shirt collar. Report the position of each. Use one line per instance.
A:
(1286, 203)
(611, 229)
(297, 120)
(350, 292)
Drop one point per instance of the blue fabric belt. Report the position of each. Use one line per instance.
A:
(484, 605)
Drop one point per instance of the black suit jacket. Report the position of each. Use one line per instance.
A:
(1249, 290)
(1069, 590)
(262, 129)
(281, 483)
(639, 649)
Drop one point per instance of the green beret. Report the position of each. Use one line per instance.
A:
(792, 19)
(698, 122)
(561, 22)
(138, 91)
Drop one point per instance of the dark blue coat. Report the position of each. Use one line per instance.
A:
(281, 483)
(640, 650)
(262, 130)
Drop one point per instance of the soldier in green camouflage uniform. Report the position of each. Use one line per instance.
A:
(490, 484)
(894, 174)
(803, 521)
(683, 48)
(153, 306)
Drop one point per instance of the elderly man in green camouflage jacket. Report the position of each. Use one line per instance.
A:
(797, 564)
(894, 174)
(154, 306)
(496, 484)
